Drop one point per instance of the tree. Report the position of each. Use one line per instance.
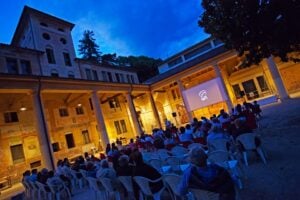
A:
(256, 29)
(88, 47)
(109, 59)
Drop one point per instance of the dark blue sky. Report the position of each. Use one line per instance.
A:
(155, 28)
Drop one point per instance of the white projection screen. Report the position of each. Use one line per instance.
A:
(205, 94)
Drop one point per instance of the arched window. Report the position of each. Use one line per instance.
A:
(54, 73)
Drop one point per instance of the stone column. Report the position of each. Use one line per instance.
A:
(219, 75)
(137, 127)
(277, 79)
(100, 120)
(42, 132)
(155, 112)
(181, 89)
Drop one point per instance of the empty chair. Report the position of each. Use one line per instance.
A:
(250, 141)
(110, 188)
(204, 195)
(126, 181)
(157, 164)
(77, 181)
(34, 189)
(172, 181)
(95, 185)
(144, 186)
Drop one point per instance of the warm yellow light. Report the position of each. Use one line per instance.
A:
(23, 108)
(79, 105)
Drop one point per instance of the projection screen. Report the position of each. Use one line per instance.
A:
(205, 94)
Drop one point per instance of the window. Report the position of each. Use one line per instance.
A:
(70, 140)
(123, 126)
(26, 67)
(113, 103)
(104, 75)
(118, 78)
(67, 59)
(250, 89)
(128, 78)
(237, 90)
(110, 79)
(88, 74)
(95, 75)
(117, 127)
(46, 36)
(86, 137)
(61, 29)
(132, 79)
(175, 62)
(10, 117)
(50, 56)
(173, 94)
(71, 74)
(197, 51)
(44, 24)
(63, 112)
(63, 40)
(122, 78)
(12, 66)
(17, 153)
(262, 83)
(79, 110)
(54, 73)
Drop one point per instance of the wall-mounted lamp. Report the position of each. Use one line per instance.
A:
(23, 108)
(79, 105)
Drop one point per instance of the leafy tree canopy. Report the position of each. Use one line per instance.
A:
(256, 29)
(145, 67)
(88, 47)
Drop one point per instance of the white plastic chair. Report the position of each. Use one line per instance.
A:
(204, 195)
(218, 157)
(172, 181)
(34, 190)
(174, 163)
(179, 151)
(248, 142)
(163, 153)
(143, 184)
(218, 144)
(112, 190)
(126, 181)
(77, 181)
(193, 145)
(58, 188)
(27, 191)
(157, 164)
(43, 193)
(95, 185)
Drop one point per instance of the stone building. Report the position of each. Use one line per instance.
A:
(54, 105)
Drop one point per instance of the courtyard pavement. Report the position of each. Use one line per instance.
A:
(279, 179)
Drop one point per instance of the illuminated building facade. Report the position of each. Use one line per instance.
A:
(54, 105)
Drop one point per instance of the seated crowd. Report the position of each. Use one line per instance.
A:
(127, 160)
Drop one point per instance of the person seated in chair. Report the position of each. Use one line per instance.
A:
(200, 175)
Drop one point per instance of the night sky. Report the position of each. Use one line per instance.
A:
(155, 28)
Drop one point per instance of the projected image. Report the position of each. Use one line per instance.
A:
(205, 94)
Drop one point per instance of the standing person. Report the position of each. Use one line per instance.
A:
(256, 109)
